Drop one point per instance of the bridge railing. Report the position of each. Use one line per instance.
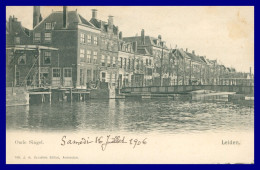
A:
(187, 88)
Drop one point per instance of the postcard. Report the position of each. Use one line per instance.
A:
(129, 84)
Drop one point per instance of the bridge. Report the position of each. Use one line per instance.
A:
(179, 89)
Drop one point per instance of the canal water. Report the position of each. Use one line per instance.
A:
(132, 116)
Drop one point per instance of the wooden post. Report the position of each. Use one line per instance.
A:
(184, 72)
(15, 75)
(70, 94)
(161, 79)
(178, 72)
(39, 70)
(190, 70)
(12, 87)
(50, 95)
(42, 97)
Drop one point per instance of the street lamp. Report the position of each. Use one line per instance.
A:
(161, 83)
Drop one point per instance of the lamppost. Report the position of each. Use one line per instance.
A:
(161, 83)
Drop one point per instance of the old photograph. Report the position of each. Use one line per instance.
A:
(129, 84)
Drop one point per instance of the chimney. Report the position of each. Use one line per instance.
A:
(10, 22)
(65, 17)
(101, 25)
(135, 46)
(186, 49)
(193, 52)
(94, 13)
(120, 35)
(36, 15)
(110, 21)
(159, 37)
(142, 37)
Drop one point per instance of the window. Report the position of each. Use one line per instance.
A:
(55, 72)
(103, 60)
(47, 57)
(82, 55)
(133, 64)
(147, 61)
(47, 37)
(67, 72)
(95, 40)
(89, 79)
(103, 77)
(121, 62)
(89, 38)
(150, 71)
(82, 38)
(17, 40)
(114, 61)
(22, 59)
(81, 78)
(150, 62)
(108, 61)
(94, 75)
(48, 26)
(110, 46)
(95, 57)
(37, 36)
(88, 56)
(125, 63)
(137, 64)
(142, 64)
(129, 64)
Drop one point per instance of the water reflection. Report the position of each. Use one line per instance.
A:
(132, 116)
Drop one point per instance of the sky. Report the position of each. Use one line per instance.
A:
(225, 33)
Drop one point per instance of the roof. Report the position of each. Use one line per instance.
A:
(183, 54)
(143, 51)
(73, 19)
(98, 24)
(194, 57)
(149, 41)
(17, 26)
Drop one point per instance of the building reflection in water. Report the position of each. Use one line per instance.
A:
(131, 115)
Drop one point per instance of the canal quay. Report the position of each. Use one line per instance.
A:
(25, 96)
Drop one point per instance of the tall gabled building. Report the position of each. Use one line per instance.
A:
(78, 43)
(109, 40)
(157, 48)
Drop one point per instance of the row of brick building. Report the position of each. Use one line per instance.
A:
(66, 50)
